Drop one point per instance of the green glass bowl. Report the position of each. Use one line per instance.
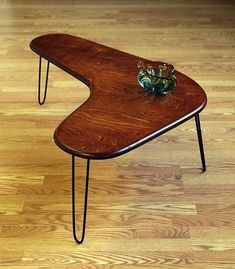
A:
(160, 79)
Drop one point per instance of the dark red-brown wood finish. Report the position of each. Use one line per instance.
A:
(119, 115)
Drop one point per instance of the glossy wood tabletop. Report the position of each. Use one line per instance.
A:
(119, 115)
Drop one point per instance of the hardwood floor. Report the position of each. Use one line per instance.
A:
(150, 208)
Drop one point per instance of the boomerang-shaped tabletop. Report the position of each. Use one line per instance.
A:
(119, 115)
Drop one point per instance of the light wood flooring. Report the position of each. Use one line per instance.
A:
(151, 208)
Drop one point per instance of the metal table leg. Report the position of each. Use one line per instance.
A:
(199, 135)
(79, 241)
(39, 82)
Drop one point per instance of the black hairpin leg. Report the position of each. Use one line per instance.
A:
(74, 202)
(199, 135)
(39, 82)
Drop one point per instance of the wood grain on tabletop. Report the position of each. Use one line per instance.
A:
(151, 207)
(118, 116)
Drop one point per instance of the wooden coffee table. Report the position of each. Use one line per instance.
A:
(118, 116)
